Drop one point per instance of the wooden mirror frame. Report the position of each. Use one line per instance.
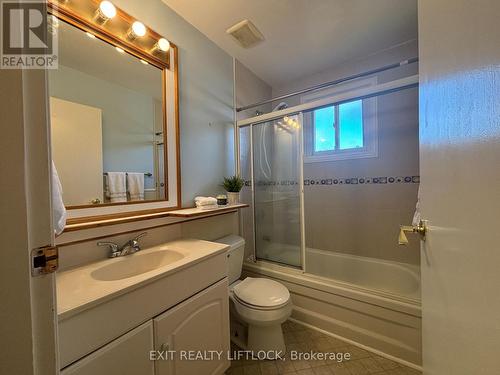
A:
(81, 14)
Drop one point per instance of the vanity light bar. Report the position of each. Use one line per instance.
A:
(103, 20)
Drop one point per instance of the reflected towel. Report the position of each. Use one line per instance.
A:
(135, 183)
(58, 209)
(116, 189)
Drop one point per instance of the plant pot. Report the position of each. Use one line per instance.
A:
(233, 198)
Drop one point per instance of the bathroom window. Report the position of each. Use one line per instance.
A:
(338, 127)
(340, 132)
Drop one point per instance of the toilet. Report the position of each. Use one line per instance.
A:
(258, 306)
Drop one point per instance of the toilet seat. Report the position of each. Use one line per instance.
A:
(255, 307)
(261, 293)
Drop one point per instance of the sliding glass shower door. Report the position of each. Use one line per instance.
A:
(277, 176)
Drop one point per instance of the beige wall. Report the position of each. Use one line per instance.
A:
(384, 57)
(250, 89)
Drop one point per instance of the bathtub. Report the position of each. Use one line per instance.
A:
(371, 303)
(382, 276)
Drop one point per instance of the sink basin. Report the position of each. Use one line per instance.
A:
(135, 264)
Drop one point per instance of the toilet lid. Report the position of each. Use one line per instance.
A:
(261, 292)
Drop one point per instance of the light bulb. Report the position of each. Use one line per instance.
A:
(91, 36)
(119, 49)
(137, 30)
(144, 62)
(105, 12)
(163, 45)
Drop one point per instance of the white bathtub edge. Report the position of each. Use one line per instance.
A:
(289, 274)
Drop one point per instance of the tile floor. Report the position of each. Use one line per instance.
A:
(302, 339)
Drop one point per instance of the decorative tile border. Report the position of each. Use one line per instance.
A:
(364, 180)
(343, 181)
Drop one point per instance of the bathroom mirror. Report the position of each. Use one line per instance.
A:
(107, 122)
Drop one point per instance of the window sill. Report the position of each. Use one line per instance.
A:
(341, 156)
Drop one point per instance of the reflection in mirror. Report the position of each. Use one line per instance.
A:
(107, 122)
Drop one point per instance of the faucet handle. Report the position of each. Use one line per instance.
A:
(134, 242)
(136, 238)
(112, 246)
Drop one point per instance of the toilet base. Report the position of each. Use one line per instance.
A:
(268, 339)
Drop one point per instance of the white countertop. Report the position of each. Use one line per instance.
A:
(77, 290)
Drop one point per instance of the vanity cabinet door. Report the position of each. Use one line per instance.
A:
(198, 326)
(127, 355)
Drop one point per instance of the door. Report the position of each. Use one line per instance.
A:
(198, 326)
(76, 131)
(277, 175)
(460, 185)
(28, 310)
(127, 355)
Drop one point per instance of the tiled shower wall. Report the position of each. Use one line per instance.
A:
(356, 206)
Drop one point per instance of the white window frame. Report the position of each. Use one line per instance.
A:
(370, 125)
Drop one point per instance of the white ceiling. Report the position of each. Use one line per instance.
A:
(303, 36)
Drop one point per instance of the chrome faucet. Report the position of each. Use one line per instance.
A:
(129, 247)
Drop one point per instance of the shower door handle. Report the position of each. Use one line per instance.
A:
(421, 229)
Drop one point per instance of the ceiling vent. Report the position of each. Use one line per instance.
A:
(246, 34)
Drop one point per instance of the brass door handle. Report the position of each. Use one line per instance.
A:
(421, 229)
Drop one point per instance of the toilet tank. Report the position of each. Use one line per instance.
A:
(234, 256)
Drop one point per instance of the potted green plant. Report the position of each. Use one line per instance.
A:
(233, 187)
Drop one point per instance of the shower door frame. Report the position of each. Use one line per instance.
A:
(267, 121)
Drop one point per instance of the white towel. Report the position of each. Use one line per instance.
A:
(205, 201)
(58, 209)
(116, 189)
(135, 183)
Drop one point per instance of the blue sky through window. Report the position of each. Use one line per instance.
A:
(350, 124)
(324, 132)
